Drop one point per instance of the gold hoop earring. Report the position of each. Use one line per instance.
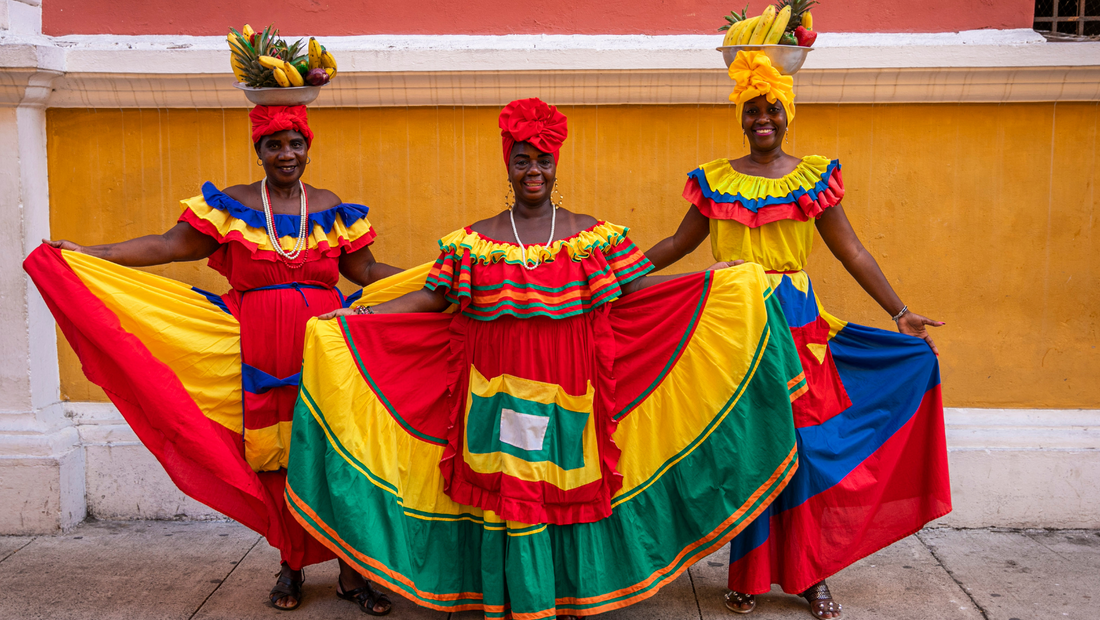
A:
(259, 162)
(309, 160)
(561, 197)
(509, 197)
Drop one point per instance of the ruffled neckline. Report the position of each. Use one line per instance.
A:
(285, 225)
(719, 182)
(580, 245)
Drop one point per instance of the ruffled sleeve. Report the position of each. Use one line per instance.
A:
(722, 193)
(343, 228)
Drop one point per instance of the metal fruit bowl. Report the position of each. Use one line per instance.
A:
(787, 59)
(290, 95)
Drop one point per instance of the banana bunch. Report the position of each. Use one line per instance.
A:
(781, 24)
(263, 60)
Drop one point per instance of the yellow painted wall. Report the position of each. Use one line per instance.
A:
(984, 216)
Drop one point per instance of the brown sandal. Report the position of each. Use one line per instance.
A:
(734, 601)
(287, 586)
(821, 602)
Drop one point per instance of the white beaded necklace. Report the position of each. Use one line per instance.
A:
(538, 260)
(303, 235)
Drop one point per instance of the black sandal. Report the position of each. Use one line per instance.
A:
(366, 597)
(821, 602)
(287, 586)
(734, 601)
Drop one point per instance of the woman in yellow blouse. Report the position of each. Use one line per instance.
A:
(872, 460)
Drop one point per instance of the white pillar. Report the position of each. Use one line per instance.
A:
(41, 463)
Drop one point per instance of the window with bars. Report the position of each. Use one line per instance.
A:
(1068, 18)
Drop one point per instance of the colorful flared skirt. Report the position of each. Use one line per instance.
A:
(700, 421)
(872, 456)
(169, 357)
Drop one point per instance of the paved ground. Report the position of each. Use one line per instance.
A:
(140, 570)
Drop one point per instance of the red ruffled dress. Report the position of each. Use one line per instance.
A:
(208, 382)
(272, 299)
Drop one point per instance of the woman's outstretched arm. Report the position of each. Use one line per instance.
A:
(693, 229)
(424, 300)
(361, 268)
(181, 243)
(837, 233)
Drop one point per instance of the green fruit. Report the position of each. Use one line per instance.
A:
(302, 65)
(788, 39)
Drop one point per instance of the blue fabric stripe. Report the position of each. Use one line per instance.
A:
(256, 381)
(755, 204)
(212, 298)
(354, 297)
(285, 225)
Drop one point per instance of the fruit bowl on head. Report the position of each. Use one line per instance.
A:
(787, 59)
(281, 95)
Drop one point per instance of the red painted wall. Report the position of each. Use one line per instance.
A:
(348, 17)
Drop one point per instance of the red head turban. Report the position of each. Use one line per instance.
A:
(532, 121)
(268, 119)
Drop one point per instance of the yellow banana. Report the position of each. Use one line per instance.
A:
(779, 26)
(746, 32)
(271, 62)
(330, 71)
(314, 53)
(763, 26)
(328, 62)
(247, 31)
(807, 21)
(281, 77)
(734, 33)
(293, 75)
(238, 71)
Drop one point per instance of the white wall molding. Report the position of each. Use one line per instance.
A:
(1023, 429)
(391, 70)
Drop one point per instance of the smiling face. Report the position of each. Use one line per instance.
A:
(532, 174)
(764, 123)
(284, 154)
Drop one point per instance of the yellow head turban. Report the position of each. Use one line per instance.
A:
(754, 76)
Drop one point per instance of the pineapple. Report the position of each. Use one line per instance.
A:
(246, 56)
(798, 8)
(733, 18)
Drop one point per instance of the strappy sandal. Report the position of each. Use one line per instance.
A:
(287, 586)
(821, 602)
(366, 597)
(734, 600)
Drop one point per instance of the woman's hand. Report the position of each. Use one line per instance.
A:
(725, 264)
(913, 324)
(328, 316)
(63, 244)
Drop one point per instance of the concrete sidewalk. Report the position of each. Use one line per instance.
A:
(139, 570)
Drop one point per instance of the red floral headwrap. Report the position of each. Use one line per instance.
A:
(268, 119)
(532, 121)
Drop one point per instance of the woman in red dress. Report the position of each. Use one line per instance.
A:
(282, 245)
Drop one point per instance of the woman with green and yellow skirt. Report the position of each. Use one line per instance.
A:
(570, 439)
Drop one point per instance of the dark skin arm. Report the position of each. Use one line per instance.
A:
(181, 243)
(837, 233)
(693, 230)
(361, 268)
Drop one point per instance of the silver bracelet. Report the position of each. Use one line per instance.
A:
(904, 310)
(364, 310)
